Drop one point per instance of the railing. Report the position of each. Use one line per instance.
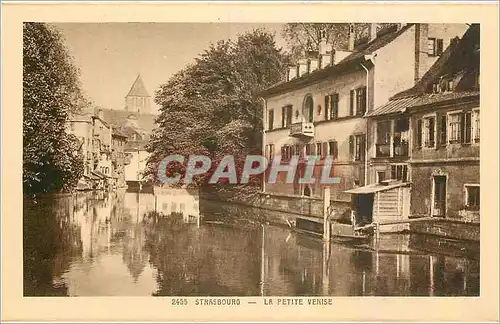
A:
(384, 150)
(401, 149)
(302, 129)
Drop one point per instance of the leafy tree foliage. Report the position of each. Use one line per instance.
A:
(212, 108)
(51, 91)
(307, 36)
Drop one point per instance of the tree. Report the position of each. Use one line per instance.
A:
(307, 36)
(212, 107)
(51, 91)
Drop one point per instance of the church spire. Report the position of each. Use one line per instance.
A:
(138, 98)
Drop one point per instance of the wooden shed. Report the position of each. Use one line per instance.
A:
(380, 203)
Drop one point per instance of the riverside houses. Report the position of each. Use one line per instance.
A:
(319, 109)
(429, 135)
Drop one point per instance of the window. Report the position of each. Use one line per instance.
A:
(477, 125)
(333, 149)
(270, 121)
(429, 129)
(308, 66)
(443, 129)
(299, 150)
(332, 106)
(361, 101)
(383, 138)
(454, 123)
(286, 116)
(380, 176)
(286, 152)
(472, 197)
(319, 149)
(310, 149)
(308, 109)
(435, 46)
(356, 147)
(399, 172)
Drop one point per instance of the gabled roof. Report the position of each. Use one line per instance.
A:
(120, 117)
(138, 89)
(361, 54)
(459, 62)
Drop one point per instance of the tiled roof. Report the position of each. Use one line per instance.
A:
(138, 89)
(347, 64)
(397, 106)
(460, 62)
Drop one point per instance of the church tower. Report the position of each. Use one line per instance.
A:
(138, 99)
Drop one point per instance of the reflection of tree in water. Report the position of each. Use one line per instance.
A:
(50, 240)
(196, 262)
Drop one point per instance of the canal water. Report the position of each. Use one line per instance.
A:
(95, 244)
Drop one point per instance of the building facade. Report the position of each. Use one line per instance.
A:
(429, 136)
(118, 142)
(81, 126)
(319, 109)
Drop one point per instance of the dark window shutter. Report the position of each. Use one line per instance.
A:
(362, 147)
(325, 149)
(351, 145)
(327, 107)
(351, 103)
(335, 106)
(468, 127)
(443, 130)
(335, 150)
(419, 133)
(462, 128)
(289, 115)
(283, 111)
(431, 131)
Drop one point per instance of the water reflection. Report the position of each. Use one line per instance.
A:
(96, 244)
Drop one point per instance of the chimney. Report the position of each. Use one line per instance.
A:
(421, 59)
(322, 43)
(291, 73)
(373, 31)
(302, 67)
(352, 36)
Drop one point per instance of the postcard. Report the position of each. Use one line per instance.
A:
(241, 161)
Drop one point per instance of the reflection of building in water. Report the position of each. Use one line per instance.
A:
(292, 265)
(134, 256)
(136, 205)
(177, 201)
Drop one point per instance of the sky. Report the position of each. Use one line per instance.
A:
(111, 55)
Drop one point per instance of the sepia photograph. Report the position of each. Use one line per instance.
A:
(235, 163)
(395, 108)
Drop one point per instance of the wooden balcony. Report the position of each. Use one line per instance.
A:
(399, 150)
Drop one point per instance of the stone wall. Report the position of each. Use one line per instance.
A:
(450, 229)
